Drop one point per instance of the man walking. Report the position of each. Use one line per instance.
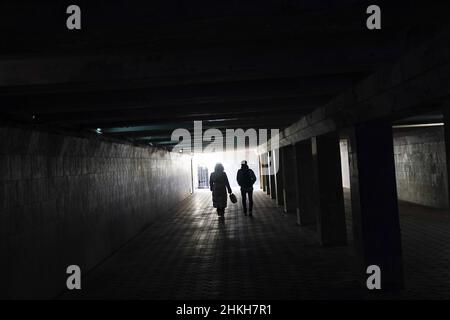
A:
(246, 178)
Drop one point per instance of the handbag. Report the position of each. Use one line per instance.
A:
(233, 198)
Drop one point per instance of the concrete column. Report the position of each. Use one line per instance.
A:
(289, 174)
(306, 214)
(327, 186)
(273, 184)
(263, 175)
(279, 177)
(376, 225)
(260, 172)
(446, 114)
(268, 182)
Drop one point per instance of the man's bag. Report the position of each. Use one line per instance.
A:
(233, 198)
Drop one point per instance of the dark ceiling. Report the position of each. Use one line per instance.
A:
(138, 70)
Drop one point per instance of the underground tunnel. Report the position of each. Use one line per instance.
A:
(114, 119)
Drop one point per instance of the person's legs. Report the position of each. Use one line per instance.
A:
(244, 200)
(250, 201)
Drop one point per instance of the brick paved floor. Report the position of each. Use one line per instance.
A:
(190, 254)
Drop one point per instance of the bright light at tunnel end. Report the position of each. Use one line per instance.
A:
(236, 140)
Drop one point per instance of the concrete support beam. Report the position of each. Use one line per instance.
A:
(306, 209)
(273, 184)
(279, 177)
(327, 188)
(290, 183)
(376, 225)
(411, 85)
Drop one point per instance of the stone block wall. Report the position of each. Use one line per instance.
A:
(420, 165)
(71, 200)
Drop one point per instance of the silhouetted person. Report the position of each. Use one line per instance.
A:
(246, 178)
(218, 184)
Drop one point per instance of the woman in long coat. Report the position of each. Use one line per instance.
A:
(218, 184)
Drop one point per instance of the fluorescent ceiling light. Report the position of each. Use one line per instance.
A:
(418, 125)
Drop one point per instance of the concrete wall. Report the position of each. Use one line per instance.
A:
(420, 166)
(69, 200)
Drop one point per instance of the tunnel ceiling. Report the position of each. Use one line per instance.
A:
(139, 70)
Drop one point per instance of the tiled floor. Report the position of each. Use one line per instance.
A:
(190, 254)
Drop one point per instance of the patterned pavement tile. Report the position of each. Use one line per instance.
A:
(191, 254)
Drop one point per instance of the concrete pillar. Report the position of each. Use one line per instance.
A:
(376, 225)
(268, 182)
(273, 184)
(263, 183)
(306, 214)
(446, 114)
(289, 179)
(263, 169)
(327, 186)
(260, 172)
(278, 177)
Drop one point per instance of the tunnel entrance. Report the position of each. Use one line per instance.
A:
(203, 177)
(203, 165)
